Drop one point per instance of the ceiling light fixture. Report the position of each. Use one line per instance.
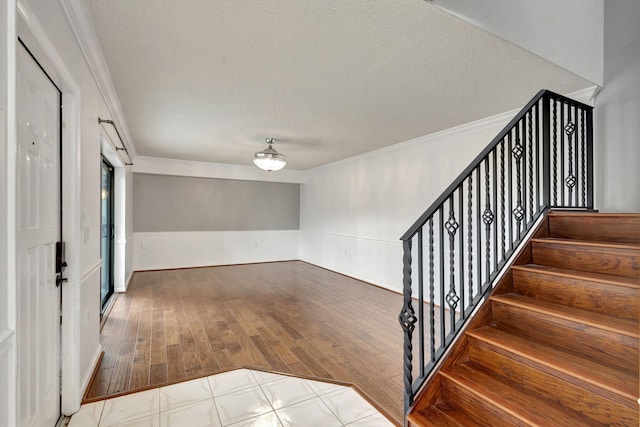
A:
(269, 159)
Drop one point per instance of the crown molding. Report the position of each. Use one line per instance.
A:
(586, 96)
(78, 16)
(161, 166)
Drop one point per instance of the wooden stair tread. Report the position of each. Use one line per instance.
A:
(618, 381)
(610, 323)
(591, 243)
(630, 282)
(531, 409)
(597, 214)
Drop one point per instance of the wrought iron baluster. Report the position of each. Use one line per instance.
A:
(569, 129)
(432, 297)
(584, 160)
(576, 157)
(522, 140)
(407, 320)
(441, 259)
(495, 207)
(461, 250)
(507, 213)
(518, 151)
(546, 156)
(562, 152)
(470, 236)
(487, 218)
(420, 304)
(555, 154)
(530, 143)
(503, 205)
(479, 239)
(452, 297)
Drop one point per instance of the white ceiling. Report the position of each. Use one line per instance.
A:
(208, 80)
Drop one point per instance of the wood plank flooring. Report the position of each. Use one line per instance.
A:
(290, 317)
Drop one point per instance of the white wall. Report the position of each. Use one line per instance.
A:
(567, 33)
(353, 212)
(162, 250)
(128, 231)
(618, 110)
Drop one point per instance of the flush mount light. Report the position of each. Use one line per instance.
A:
(269, 159)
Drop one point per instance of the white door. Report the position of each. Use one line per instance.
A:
(38, 230)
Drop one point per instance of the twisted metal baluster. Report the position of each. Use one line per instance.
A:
(584, 159)
(531, 212)
(503, 211)
(555, 153)
(470, 234)
(432, 296)
(407, 320)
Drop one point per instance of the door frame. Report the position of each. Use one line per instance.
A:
(109, 151)
(105, 164)
(29, 29)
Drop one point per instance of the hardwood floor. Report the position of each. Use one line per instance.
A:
(290, 317)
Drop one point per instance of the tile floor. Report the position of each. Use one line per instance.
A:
(239, 398)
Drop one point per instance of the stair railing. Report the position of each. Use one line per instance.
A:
(452, 254)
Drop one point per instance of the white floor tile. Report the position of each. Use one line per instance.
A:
(200, 414)
(323, 388)
(241, 405)
(267, 377)
(128, 407)
(287, 391)
(269, 419)
(348, 405)
(150, 421)
(238, 401)
(310, 413)
(184, 393)
(231, 381)
(375, 420)
(88, 415)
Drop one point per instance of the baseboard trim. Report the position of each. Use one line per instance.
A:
(87, 382)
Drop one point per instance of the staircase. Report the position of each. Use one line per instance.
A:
(556, 344)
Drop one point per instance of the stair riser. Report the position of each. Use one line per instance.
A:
(591, 342)
(595, 296)
(438, 417)
(475, 407)
(601, 228)
(597, 403)
(595, 259)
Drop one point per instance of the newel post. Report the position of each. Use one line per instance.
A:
(546, 151)
(407, 320)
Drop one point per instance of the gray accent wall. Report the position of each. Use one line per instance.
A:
(178, 203)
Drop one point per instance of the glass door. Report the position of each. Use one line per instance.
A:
(107, 233)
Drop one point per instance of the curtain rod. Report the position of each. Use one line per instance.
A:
(124, 147)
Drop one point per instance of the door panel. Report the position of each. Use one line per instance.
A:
(38, 230)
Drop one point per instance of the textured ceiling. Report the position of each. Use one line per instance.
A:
(208, 80)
